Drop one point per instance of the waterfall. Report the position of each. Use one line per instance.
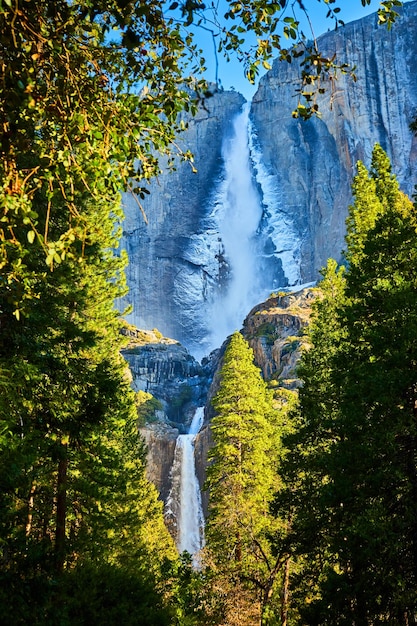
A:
(258, 245)
(237, 210)
(184, 502)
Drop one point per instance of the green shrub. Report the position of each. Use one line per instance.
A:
(147, 406)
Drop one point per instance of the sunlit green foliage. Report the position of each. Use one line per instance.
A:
(241, 477)
(147, 406)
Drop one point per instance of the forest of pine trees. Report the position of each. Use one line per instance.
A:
(313, 502)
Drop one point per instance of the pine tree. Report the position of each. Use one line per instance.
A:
(305, 469)
(240, 479)
(360, 465)
(376, 373)
(372, 192)
(72, 465)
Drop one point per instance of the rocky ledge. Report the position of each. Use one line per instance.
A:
(275, 331)
(164, 368)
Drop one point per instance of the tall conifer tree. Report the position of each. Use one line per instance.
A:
(362, 462)
(72, 465)
(240, 479)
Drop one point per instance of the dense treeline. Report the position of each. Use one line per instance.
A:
(352, 462)
(313, 516)
(351, 466)
(82, 537)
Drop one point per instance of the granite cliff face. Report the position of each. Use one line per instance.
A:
(300, 175)
(312, 163)
(174, 257)
(160, 440)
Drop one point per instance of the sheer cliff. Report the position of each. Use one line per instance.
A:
(186, 271)
(174, 256)
(312, 163)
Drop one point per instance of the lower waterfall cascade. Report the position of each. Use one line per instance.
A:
(186, 491)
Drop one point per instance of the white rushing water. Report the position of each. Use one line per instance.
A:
(247, 209)
(238, 211)
(186, 488)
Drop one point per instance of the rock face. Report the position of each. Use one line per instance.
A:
(301, 173)
(203, 443)
(172, 258)
(161, 440)
(164, 368)
(312, 163)
(274, 329)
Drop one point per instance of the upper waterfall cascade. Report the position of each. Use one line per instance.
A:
(267, 202)
(237, 210)
(242, 201)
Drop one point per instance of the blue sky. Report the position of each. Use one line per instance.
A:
(231, 74)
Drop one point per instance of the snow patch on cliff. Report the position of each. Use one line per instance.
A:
(278, 224)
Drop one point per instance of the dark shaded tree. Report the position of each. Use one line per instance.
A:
(357, 434)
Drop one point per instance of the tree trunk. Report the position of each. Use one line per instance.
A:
(61, 509)
(30, 510)
(413, 477)
(412, 470)
(285, 593)
(238, 549)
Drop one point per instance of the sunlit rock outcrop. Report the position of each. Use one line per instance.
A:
(275, 331)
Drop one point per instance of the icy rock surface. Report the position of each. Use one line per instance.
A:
(311, 164)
